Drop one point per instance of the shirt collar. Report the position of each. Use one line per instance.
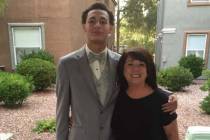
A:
(89, 50)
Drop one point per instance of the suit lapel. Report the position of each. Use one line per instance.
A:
(112, 75)
(87, 74)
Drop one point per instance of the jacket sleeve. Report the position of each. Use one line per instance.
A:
(63, 92)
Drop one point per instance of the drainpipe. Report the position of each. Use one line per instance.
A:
(160, 20)
(118, 25)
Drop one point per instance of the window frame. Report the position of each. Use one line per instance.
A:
(198, 3)
(206, 51)
(11, 27)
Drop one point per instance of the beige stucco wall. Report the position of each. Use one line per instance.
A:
(62, 24)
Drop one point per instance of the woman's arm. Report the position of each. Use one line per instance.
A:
(171, 131)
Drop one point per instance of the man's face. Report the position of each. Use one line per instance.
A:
(97, 26)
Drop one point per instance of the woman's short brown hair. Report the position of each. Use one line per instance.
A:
(137, 54)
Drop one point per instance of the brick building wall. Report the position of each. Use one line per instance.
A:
(61, 25)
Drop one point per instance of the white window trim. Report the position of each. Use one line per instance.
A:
(196, 50)
(11, 38)
(203, 1)
(198, 3)
(204, 51)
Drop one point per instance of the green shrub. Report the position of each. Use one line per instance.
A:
(41, 54)
(206, 73)
(14, 88)
(193, 63)
(47, 125)
(205, 104)
(175, 78)
(206, 85)
(41, 71)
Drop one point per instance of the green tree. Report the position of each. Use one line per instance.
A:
(141, 14)
(135, 38)
(138, 23)
(2, 6)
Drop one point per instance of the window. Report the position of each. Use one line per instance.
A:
(198, 2)
(25, 38)
(196, 44)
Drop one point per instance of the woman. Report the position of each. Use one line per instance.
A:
(138, 114)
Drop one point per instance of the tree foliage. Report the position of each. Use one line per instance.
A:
(138, 23)
(141, 14)
(2, 6)
(135, 38)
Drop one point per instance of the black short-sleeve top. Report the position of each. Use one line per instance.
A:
(141, 119)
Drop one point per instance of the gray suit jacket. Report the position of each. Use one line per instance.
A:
(75, 89)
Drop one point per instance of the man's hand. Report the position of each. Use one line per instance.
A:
(171, 106)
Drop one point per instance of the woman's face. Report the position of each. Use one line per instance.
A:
(135, 71)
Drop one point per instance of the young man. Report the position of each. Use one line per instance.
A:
(86, 82)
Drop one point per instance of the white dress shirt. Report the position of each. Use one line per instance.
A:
(96, 66)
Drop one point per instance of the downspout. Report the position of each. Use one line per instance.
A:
(160, 21)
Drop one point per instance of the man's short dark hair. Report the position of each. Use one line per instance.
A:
(97, 6)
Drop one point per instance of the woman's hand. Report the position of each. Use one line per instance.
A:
(171, 106)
